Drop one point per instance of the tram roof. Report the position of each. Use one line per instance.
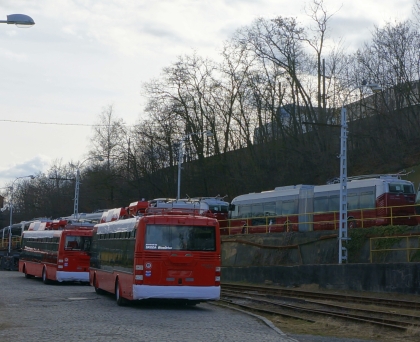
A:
(293, 190)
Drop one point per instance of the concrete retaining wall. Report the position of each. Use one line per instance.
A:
(396, 277)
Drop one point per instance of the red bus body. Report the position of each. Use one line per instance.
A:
(138, 208)
(164, 256)
(56, 255)
(386, 200)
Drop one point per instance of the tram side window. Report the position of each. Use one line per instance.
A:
(244, 210)
(289, 207)
(334, 203)
(278, 207)
(257, 210)
(321, 204)
(270, 209)
(367, 200)
(352, 201)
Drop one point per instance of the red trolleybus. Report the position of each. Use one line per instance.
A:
(384, 200)
(56, 255)
(170, 255)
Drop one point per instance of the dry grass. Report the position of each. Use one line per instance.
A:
(337, 328)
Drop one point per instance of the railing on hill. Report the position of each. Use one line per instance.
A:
(390, 246)
(359, 218)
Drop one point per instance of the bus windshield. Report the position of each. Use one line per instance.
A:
(80, 243)
(186, 238)
(218, 208)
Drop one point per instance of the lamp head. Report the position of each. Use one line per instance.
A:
(209, 133)
(20, 20)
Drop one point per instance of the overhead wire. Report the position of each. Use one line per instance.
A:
(54, 123)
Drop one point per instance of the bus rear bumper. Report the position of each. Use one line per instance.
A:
(176, 292)
(72, 276)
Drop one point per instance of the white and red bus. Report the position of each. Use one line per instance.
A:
(213, 206)
(56, 255)
(168, 255)
(384, 200)
(218, 207)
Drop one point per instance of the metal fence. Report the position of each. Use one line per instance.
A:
(359, 218)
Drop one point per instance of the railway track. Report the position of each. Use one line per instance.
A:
(288, 302)
(395, 303)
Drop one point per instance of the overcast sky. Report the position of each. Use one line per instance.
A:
(83, 55)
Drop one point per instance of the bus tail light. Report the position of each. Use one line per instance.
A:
(217, 276)
(138, 274)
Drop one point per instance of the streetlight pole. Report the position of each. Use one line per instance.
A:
(77, 186)
(181, 156)
(11, 211)
(342, 230)
(20, 20)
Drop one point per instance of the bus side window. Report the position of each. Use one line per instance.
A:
(86, 245)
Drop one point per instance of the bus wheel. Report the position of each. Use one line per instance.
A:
(97, 289)
(120, 300)
(45, 280)
(27, 276)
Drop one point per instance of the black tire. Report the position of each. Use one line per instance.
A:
(120, 300)
(97, 289)
(45, 280)
(27, 276)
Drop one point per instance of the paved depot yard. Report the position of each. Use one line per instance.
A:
(31, 311)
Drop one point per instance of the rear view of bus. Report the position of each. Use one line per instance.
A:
(174, 257)
(56, 255)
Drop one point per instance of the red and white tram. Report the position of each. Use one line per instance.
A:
(384, 200)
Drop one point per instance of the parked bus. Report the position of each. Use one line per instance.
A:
(384, 200)
(216, 206)
(10, 239)
(168, 255)
(56, 255)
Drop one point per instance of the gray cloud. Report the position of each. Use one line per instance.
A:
(29, 167)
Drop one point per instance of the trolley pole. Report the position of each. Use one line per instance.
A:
(342, 229)
(342, 232)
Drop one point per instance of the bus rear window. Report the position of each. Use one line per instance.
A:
(185, 238)
(80, 243)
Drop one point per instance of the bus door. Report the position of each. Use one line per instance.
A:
(306, 208)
